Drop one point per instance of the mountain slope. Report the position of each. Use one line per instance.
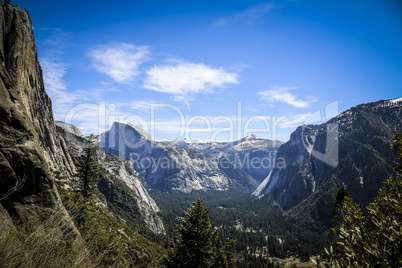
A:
(119, 183)
(169, 167)
(36, 229)
(308, 185)
(251, 154)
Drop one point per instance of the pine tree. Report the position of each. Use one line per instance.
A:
(374, 241)
(88, 168)
(199, 245)
(338, 208)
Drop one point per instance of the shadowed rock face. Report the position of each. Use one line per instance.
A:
(119, 181)
(308, 185)
(26, 123)
(31, 149)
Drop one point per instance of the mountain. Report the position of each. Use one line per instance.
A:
(70, 128)
(318, 162)
(169, 167)
(251, 154)
(119, 184)
(44, 222)
(29, 145)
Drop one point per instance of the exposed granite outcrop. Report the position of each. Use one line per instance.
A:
(28, 144)
(308, 185)
(169, 167)
(119, 181)
(70, 128)
(251, 154)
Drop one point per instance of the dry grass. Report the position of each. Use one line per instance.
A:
(48, 244)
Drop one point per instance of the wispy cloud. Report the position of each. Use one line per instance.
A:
(53, 76)
(185, 79)
(120, 61)
(55, 43)
(294, 120)
(251, 15)
(141, 105)
(53, 68)
(53, 73)
(282, 94)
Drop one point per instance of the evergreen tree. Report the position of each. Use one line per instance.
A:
(338, 208)
(374, 241)
(199, 244)
(88, 168)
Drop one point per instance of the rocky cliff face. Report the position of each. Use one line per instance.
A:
(70, 128)
(31, 149)
(119, 182)
(170, 167)
(27, 131)
(251, 154)
(365, 160)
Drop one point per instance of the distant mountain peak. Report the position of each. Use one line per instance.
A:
(251, 136)
(137, 129)
(395, 102)
(70, 128)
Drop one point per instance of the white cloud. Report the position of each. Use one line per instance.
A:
(56, 88)
(250, 15)
(54, 70)
(141, 105)
(56, 42)
(71, 106)
(294, 120)
(120, 61)
(185, 79)
(53, 73)
(282, 94)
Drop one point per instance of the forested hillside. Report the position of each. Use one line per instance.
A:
(260, 230)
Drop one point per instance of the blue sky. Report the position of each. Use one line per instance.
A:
(215, 69)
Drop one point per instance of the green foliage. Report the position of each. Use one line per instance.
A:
(338, 209)
(199, 244)
(116, 244)
(88, 168)
(374, 241)
(262, 223)
(397, 145)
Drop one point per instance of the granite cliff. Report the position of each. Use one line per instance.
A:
(119, 184)
(29, 146)
(172, 168)
(34, 158)
(252, 154)
(307, 185)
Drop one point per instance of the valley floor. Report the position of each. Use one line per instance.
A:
(261, 231)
